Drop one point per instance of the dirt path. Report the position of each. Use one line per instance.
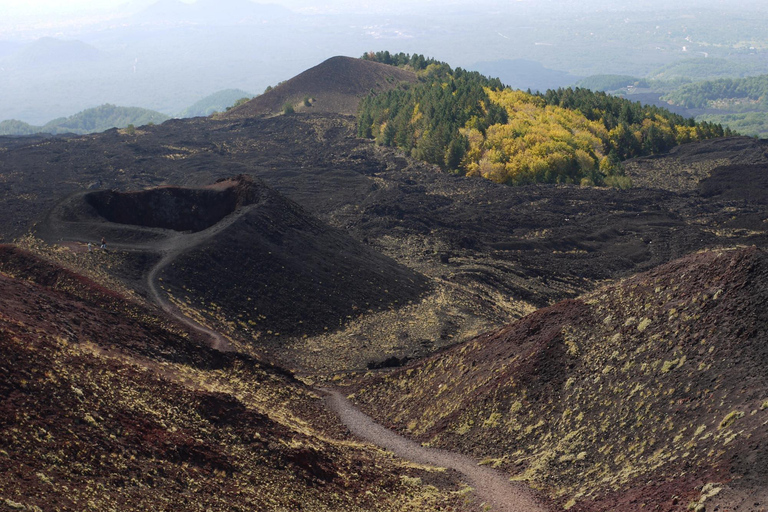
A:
(493, 488)
(169, 246)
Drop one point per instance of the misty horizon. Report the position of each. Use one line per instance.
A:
(58, 59)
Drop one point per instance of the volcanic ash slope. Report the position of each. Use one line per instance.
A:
(106, 404)
(652, 391)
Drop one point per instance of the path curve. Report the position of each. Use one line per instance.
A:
(218, 341)
(491, 487)
(172, 245)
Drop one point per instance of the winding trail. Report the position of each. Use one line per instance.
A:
(218, 341)
(491, 486)
(174, 246)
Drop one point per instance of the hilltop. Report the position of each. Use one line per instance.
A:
(334, 86)
(252, 263)
(91, 120)
(649, 393)
(474, 125)
(216, 102)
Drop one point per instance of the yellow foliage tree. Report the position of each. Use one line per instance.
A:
(538, 142)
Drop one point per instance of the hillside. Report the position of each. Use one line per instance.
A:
(610, 83)
(471, 124)
(490, 253)
(709, 90)
(240, 256)
(687, 168)
(49, 51)
(737, 102)
(725, 94)
(216, 102)
(92, 120)
(334, 86)
(633, 396)
(698, 69)
(107, 403)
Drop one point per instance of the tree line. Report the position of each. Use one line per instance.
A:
(753, 91)
(472, 124)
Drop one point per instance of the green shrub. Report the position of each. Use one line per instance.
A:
(730, 418)
(620, 182)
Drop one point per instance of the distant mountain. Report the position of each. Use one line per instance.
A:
(728, 94)
(609, 83)
(8, 47)
(49, 51)
(16, 127)
(92, 120)
(216, 102)
(525, 74)
(700, 69)
(334, 86)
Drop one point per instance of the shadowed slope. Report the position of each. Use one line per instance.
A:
(277, 271)
(173, 208)
(635, 395)
(242, 256)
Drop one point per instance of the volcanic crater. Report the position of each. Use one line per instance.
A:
(176, 208)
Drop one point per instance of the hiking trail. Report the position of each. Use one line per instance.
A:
(492, 487)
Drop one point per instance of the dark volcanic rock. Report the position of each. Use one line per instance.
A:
(334, 86)
(242, 254)
(653, 386)
(277, 272)
(179, 209)
(490, 252)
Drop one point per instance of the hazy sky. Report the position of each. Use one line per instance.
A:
(53, 7)
(59, 7)
(56, 8)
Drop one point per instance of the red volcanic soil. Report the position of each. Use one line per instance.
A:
(334, 86)
(106, 404)
(633, 397)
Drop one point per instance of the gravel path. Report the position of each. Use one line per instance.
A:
(492, 487)
(170, 245)
(171, 248)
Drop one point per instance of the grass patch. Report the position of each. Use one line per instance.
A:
(730, 419)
